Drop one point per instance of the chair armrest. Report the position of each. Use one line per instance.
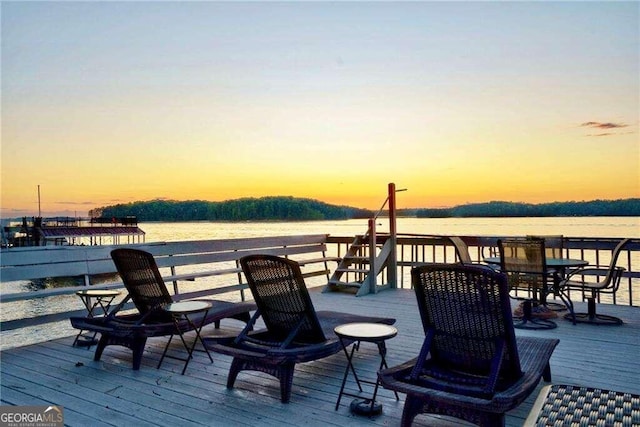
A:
(591, 271)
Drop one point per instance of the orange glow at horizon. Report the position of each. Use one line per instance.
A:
(319, 108)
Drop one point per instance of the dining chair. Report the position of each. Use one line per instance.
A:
(462, 250)
(553, 249)
(553, 244)
(524, 263)
(579, 280)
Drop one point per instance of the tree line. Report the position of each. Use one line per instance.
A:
(621, 207)
(301, 209)
(246, 209)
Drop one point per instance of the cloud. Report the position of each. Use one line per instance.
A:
(601, 125)
(601, 134)
(605, 126)
(75, 203)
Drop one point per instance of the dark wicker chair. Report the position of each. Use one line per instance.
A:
(609, 284)
(147, 290)
(294, 332)
(524, 263)
(471, 365)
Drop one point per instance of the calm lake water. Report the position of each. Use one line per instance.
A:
(615, 227)
(570, 227)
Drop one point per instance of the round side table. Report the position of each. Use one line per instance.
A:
(182, 311)
(356, 333)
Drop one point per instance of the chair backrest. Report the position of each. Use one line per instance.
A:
(614, 273)
(524, 262)
(553, 244)
(462, 250)
(140, 275)
(466, 315)
(282, 298)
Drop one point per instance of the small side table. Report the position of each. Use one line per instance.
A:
(572, 405)
(368, 332)
(182, 311)
(92, 300)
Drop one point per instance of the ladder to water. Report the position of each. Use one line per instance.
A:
(370, 258)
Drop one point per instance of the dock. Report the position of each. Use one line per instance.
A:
(110, 393)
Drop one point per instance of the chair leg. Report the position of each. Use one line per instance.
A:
(102, 343)
(546, 374)
(594, 318)
(571, 315)
(285, 373)
(492, 420)
(137, 346)
(234, 370)
(412, 407)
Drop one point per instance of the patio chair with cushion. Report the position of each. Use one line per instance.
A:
(294, 332)
(578, 280)
(471, 365)
(147, 290)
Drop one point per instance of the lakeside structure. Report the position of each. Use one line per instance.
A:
(39, 231)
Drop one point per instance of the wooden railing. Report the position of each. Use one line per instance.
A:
(415, 249)
(217, 259)
(179, 263)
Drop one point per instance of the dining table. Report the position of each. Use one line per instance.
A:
(557, 264)
(558, 267)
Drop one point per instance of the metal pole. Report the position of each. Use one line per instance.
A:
(39, 211)
(392, 266)
(373, 239)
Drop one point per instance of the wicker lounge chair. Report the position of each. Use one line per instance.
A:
(609, 284)
(471, 365)
(149, 293)
(294, 332)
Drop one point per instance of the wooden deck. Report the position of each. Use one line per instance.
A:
(109, 392)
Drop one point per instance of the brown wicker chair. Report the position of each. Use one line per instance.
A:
(294, 332)
(609, 284)
(471, 365)
(149, 293)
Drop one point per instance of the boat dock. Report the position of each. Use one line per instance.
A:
(109, 392)
(39, 231)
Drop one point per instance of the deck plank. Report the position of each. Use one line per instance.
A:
(109, 392)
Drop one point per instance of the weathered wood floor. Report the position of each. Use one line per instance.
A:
(110, 393)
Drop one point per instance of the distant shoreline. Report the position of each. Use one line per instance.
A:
(286, 208)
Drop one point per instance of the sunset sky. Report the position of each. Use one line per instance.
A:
(459, 102)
